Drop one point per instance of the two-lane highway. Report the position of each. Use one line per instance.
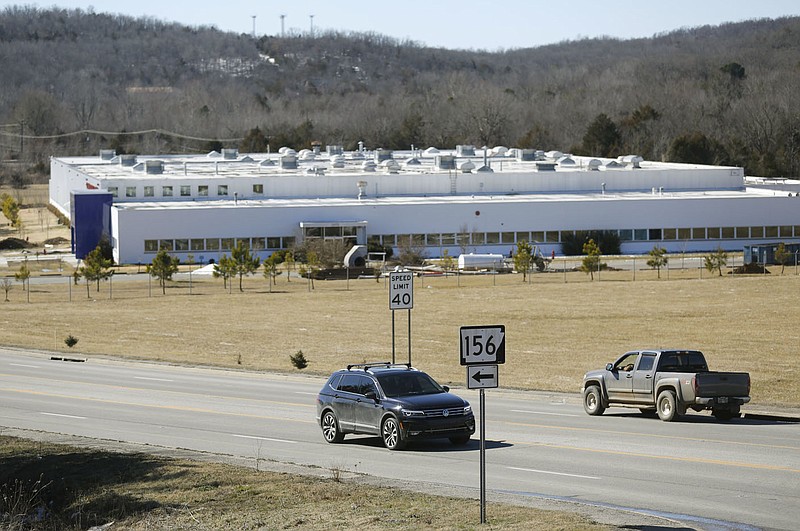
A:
(743, 471)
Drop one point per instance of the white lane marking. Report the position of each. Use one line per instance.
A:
(551, 473)
(544, 413)
(263, 438)
(60, 415)
(152, 379)
(305, 393)
(23, 365)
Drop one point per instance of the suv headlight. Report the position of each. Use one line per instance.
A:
(467, 409)
(412, 413)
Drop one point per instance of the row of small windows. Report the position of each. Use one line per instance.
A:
(625, 235)
(184, 190)
(258, 243)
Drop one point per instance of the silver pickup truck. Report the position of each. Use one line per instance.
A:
(667, 382)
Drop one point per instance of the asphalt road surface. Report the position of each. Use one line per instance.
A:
(742, 474)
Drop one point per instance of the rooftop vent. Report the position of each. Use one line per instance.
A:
(230, 153)
(368, 165)
(267, 162)
(498, 151)
(566, 161)
(306, 154)
(634, 161)
(431, 151)
(337, 161)
(446, 162)
(390, 165)
(107, 154)
(287, 151)
(613, 164)
(553, 155)
(154, 167)
(127, 160)
(465, 151)
(467, 166)
(594, 164)
(413, 161)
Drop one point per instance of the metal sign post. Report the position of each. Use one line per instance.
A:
(401, 297)
(482, 349)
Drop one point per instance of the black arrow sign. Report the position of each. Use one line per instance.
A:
(478, 376)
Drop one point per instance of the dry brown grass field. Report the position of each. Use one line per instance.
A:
(558, 325)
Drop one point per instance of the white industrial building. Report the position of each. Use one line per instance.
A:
(462, 200)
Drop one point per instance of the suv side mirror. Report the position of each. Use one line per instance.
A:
(371, 395)
(446, 388)
(610, 367)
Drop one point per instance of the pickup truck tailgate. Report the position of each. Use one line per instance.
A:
(713, 384)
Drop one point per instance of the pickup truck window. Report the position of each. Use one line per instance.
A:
(626, 363)
(684, 361)
(647, 361)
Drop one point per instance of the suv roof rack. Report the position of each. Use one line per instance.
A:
(368, 366)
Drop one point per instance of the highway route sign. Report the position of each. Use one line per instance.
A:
(401, 290)
(481, 345)
(482, 376)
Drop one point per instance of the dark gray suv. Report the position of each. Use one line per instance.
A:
(397, 402)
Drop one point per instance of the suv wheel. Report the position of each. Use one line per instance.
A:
(330, 428)
(391, 434)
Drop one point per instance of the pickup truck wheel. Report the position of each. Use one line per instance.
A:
(667, 406)
(593, 401)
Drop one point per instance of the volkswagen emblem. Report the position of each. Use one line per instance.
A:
(445, 412)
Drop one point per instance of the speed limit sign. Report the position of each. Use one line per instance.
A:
(483, 344)
(401, 290)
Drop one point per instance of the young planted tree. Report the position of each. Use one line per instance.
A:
(716, 260)
(224, 269)
(447, 262)
(782, 256)
(96, 267)
(590, 262)
(6, 286)
(163, 267)
(271, 271)
(244, 262)
(24, 274)
(658, 259)
(523, 258)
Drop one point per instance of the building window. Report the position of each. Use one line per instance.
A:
(288, 242)
(197, 244)
(244, 242)
(226, 244)
(388, 239)
(669, 234)
(625, 235)
(654, 234)
(186, 190)
(259, 243)
(771, 232)
(727, 233)
(258, 189)
(537, 236)
(130, 191)
(756, 232)
(713, 233)
(151, 246)
(149, 191)
(684, 234)
(478, 238)
(212, 244)
(222, 189)
(448, 239)
(551, 236)
(742, 232)
(166, 245)
(492, 237)
(273, 243)
(182, 244)
(640, 235)
(786, 232)
(462, 239)
(698, 233)
(523, 236)
(373, 240)
(202, 190)
(166, 191)
(113, 190)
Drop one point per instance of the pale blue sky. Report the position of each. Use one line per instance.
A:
(477, 24)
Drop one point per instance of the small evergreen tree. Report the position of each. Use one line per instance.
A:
(658, 259)
(523, 258)
(163, 267)
(271, 271)
(96, 267)
(590, 262)
(244, 262)
(716, 260)
(299, 360)
(225, 269)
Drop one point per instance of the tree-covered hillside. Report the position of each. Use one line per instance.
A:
(74, 82)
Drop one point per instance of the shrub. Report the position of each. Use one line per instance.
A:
(299, 360)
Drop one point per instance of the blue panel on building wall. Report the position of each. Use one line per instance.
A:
(91, 219)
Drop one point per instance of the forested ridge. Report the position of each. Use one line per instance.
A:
(75, 81)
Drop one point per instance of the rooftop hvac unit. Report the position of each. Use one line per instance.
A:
(127, 160)
(368, 165)
(633, 161)
(526, 155)
(230, 153)
(382, 155)
(467, 166)
(545, 166)
(337, 161)
(391, 166)
(446, 162)
(289, 162)
(566, 161)
(107, 154)
(413, 161)
(154, 167)
(594, 164)
(334, 150)
(465, 151)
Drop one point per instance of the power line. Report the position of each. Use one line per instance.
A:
(114, 133)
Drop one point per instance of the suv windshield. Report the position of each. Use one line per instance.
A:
(396, 384)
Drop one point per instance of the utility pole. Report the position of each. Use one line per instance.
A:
(21, 136)
(311, 17)
(282, 32)
(254, 26)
